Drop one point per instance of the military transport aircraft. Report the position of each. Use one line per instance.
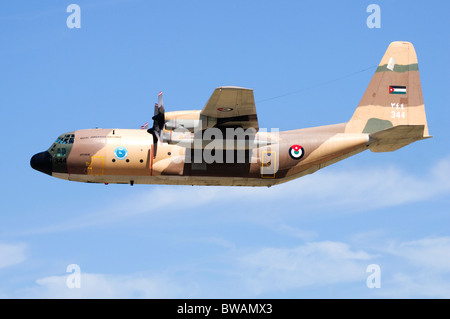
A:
(223, 145)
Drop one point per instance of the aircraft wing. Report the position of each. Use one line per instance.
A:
(232, 107)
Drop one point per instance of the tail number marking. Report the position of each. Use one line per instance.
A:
(399, 112)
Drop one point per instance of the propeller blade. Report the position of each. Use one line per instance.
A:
(158, 119)
(160, 100)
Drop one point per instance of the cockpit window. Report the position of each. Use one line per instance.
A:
(60, 152)
(65, 139)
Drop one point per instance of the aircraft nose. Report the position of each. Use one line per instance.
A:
(42, 162)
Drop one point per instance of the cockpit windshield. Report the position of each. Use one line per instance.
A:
(65, 139)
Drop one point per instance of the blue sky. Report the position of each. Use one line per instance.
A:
(310, 238)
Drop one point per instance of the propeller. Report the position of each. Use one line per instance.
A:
(158, 119)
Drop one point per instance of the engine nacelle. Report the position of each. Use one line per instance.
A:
(188, 120)
(213, 138)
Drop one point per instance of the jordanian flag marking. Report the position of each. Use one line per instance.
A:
(296, 152)
(393, 89)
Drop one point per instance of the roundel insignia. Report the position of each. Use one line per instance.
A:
(225, 109)
(296, 152)
(120, 153)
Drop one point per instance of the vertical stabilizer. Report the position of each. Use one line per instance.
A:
(394, 95)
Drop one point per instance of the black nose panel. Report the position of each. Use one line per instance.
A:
(42, 162)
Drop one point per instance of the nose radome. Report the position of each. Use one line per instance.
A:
(42, 162)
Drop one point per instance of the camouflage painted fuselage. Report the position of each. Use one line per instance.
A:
(93, 158)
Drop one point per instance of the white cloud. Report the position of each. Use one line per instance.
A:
(162, 200)
(11, 254)
(414, 269)
(425, 270)
(303, 266)
(348, 190)
(432, 253)
(417, 268)
(306, 235)
(104, 286)
(410, 269)
(312, 264)
(423, 284)
(364, 188)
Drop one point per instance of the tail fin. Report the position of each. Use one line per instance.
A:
(393, 98)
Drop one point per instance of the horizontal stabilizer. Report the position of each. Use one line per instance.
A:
(396, 137)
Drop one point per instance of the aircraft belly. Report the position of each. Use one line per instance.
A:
(171, 180)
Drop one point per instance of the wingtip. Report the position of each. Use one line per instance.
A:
(232, 88)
